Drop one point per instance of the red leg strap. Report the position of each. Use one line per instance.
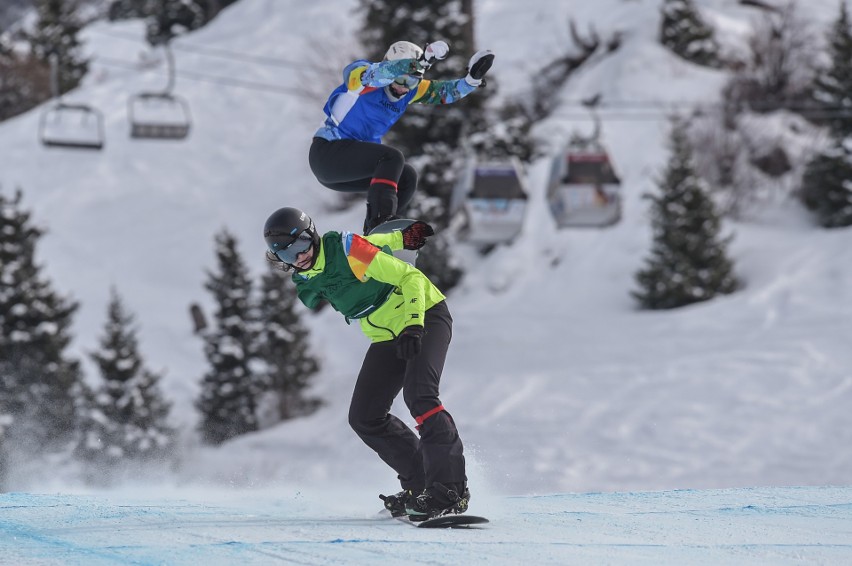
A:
(376, 180)
(427, 414)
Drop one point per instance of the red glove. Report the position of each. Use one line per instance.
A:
(414, 236)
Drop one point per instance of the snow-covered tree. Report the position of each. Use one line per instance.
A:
(430, 136)
(230, 388)
(827, 182)
(40, 386)
(436, 139)
(289, 367)
(126, 417)
(170, 18)
(685, 33)
(779, 72)
(56, 33)
(833, 86)
(173, 14)
(436, 259)
(688, 261)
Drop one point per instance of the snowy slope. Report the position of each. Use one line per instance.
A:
(556, 381)
(776, 526)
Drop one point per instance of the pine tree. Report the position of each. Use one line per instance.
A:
(284, 348)
(40, 387)
(684, 32)
(827, 184)
(436, 259)
(827, 181)
(230, 388)
(431, 137)
(782, 59)
(126, 416)
(688, 261)
(169, 18)
(168, 14)
(429, 134)
(833, 86)
(56, 33)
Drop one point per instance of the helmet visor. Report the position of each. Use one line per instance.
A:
(291, 251)
(407, 81)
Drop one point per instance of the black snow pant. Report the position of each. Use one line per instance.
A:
(438, 455)
(372, 168)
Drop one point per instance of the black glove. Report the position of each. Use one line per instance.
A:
(414, 236)
(276, 263)
(478, 66)
(408, 343)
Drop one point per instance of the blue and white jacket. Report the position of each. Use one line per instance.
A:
(360, 108)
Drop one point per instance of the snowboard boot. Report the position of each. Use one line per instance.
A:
(397, 503)
(437, 501)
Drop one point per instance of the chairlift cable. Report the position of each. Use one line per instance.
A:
(54, 76)
(656, 108)
(646, 110)
(218, 52)
(195, 76)
(236, 56)
(227, 81)
(658, 105)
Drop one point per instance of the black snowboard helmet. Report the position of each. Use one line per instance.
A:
(289, 232)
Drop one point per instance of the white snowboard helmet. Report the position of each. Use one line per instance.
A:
(403, 50)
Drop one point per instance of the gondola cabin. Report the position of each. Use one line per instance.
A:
(584, 190)
(495, 201)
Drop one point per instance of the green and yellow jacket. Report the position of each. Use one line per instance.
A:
(362, 282)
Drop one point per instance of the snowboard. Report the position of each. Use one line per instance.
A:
(408, 256)
(446, 522)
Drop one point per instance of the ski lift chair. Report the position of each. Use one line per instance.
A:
(160, 115)
(62, 124)
(496, 201)
(584, 190)
(76, 126)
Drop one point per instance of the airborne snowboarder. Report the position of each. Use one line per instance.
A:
(347, 153)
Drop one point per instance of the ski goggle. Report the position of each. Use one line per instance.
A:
(407, 81)
(291, 251)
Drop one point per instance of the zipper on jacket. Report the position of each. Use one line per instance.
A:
(370, 322)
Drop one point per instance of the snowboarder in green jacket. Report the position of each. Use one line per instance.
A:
(409, 325)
